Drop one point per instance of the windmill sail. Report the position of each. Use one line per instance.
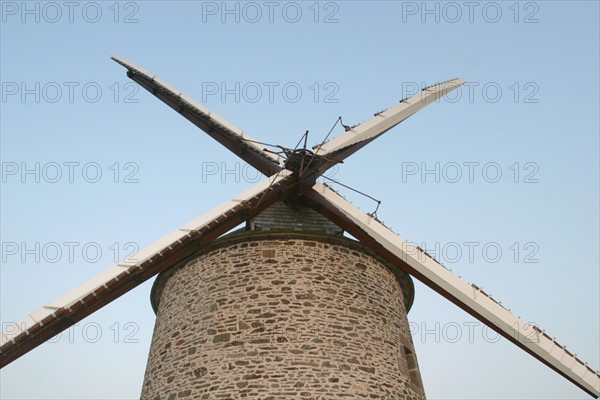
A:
(230, 136)
(470, 298)
(65, 311)
(360, 135)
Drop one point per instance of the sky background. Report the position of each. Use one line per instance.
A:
(516, 154)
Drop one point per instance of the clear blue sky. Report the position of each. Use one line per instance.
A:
(531, 107)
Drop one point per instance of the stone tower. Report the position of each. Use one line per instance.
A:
(286, 308)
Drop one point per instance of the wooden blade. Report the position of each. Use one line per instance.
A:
(240, 143)
(470, 298)
(60, 314)
(360, 135)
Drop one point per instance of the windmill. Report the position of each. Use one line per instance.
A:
(290, 189)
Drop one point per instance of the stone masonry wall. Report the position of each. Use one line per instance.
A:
(281, 318)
